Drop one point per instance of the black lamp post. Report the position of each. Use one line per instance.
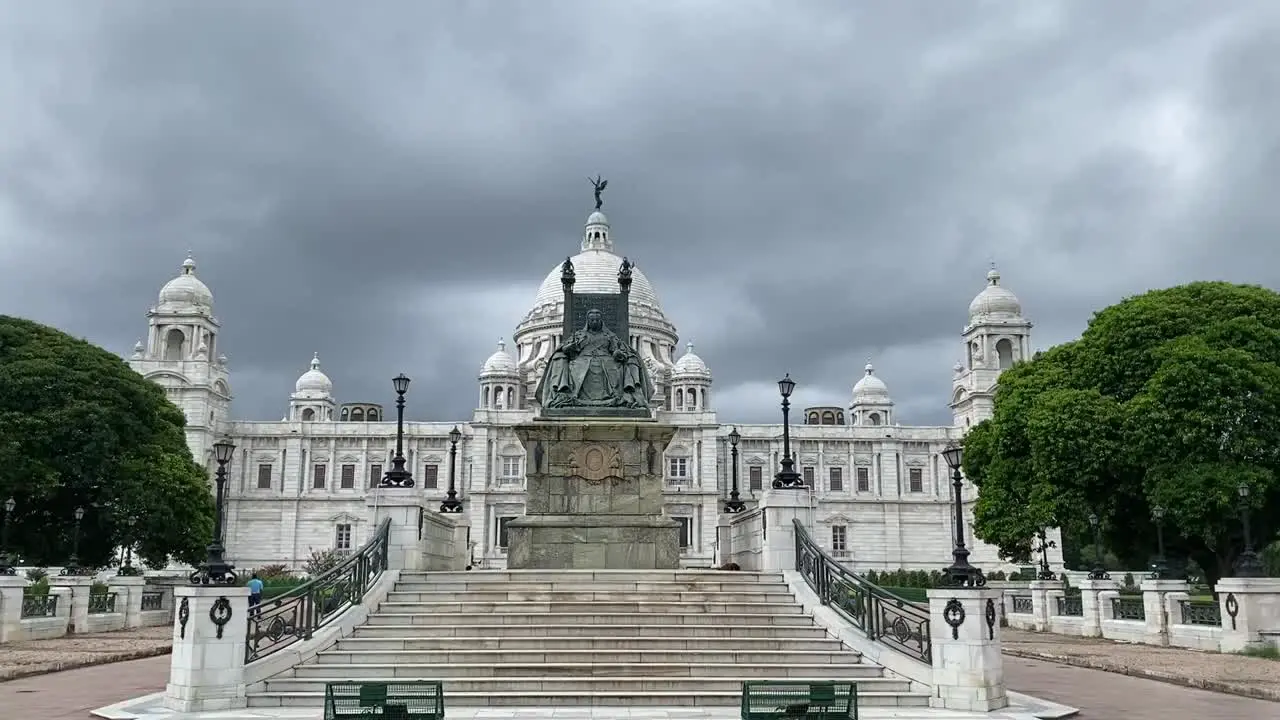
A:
(73, 563)
(215, 569)
(1043, 548)
(127, 569)
(961, 573)
(6, 559)
(735, 504)
(787, 477)
(451, 503)
(1099, 572)
(398, 476)
(1159, 568)
(1248, 564)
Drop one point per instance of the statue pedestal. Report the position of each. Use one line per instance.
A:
(594, 497)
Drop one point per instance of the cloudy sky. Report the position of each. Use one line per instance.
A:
(808, 183)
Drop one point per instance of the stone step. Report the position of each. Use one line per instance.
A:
(568, 672)
(582, 685)
(552, 659)
(400, 595)
(581, 607)
(801, 628)
(442, 617)
(314, 699)
(640, 640)
(589, 577)
(636, 587)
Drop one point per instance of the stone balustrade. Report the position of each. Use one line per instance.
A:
(71, 608)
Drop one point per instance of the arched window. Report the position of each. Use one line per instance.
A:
(828, 418)
(1004, 353)
(175, 345)
(679, 399)
(346, 414)
(497, 398)
(308, 415)
(813, 418)
(874, 418)
(373, 415)
(839, 418)
(692, 399)
(357, 414)
(511, 398)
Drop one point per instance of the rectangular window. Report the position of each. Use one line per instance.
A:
(916, 479)
(807, 472)
(839, 538)
(348, 476)
(511, 467)
(686, 532)
(836, 479)
(264, 476)
(503, 522)
(431, 477)
(756, 475)
(318, 477)
(864, 479)
(375, 475)
(679, 468)
(342, 537)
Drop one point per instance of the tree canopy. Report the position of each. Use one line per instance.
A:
(1168, 398)
(79, 428)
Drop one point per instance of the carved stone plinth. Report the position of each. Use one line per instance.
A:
(594, 497)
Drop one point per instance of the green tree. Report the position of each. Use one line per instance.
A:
(79, 428)
(1169, 398)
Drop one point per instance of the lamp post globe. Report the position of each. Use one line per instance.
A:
(398, 476)
(1248, 564)
(787, 477)
(734, 504)
(73, 563)
(215, 570)
(960, 573)
(452, 505)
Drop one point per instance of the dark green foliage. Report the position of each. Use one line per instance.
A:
(1169, 398)
(322, 561)
(79, 428)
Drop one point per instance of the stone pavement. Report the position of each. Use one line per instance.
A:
(73, 651)
(71, 695)
(1235, 674)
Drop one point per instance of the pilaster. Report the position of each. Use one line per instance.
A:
(1040, 600)
(206, 671)
(11, 589)
(1249, 605)
(781, 508)
(74, 591)
(968, 670)
(1154, 610)
(404, 506)
(128, 590)
(1091, 604)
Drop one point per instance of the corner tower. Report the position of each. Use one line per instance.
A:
(181, 355)
(996, 337)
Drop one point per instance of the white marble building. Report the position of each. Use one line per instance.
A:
(880, 492)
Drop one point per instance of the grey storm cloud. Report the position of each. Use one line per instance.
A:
(808, 184)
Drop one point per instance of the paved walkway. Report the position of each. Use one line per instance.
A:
(1236, 674)
(1100, 695)
(35, 657)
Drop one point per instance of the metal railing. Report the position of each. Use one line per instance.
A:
(1123, 608)
(895, 622)
(295, 615)
(102, 603)
(1071, 606)
(1022, 605)
(152, 600)
(38, 606)
(1199, 612)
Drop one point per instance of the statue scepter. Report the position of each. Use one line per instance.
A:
(599, 184)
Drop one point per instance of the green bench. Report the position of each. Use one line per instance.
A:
(406, 700)
(777, 699)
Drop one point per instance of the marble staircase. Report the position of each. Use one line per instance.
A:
(605, 638)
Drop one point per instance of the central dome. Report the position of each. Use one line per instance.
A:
(595, 271)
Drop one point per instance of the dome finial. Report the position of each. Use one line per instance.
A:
(869, 368)
(189, 265)
(502, 343)
(993, 275)
(689, 347)
(315, 361)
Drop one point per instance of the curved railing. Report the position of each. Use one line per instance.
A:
(295, 615)
(895, 622)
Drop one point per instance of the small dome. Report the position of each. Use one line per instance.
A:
(690, 365)
(313, 382)
(870, 389)
(185, 292)
(597, 218)
(500, 362)
(138, 350)
(995, 302)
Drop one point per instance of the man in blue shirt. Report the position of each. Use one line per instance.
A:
(255, 591)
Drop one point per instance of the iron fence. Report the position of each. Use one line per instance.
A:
(152, 600)
(37, 606)
(1123, 608)
(1070, 606)
(1199, 612)
(102, 603)
(1022, 605)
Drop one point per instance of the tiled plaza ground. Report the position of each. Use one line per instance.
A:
(42, 656)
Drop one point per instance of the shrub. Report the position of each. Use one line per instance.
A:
(39, 588)
(1130, 585)
(322, 561)
(99, 588)
(37, 574)
(997, 575)
(278, 570)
